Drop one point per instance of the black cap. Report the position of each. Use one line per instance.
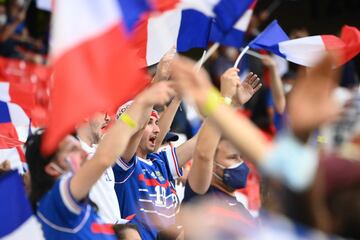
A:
(171, 137)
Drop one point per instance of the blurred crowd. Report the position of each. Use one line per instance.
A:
(267, 151)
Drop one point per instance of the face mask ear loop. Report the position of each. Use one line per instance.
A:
(70, 164)
(57, 168)
(219, 165)
(217, 176)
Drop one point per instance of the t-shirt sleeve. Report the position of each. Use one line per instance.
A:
(61, 207)
(171, 162)
(189, 194)
(123, 170)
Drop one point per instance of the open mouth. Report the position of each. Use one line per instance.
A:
(152, 140)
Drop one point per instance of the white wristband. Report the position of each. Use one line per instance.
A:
(227, 100)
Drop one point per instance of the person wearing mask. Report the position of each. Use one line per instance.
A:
(61, 182)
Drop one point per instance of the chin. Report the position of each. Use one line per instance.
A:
(150, 149)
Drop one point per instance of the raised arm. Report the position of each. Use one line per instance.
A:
(310, 105)
(276, 85)
(155, 93)
(166, 119)
(115, 142)
(200, 174)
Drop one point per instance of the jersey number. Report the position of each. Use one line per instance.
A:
(160, 196)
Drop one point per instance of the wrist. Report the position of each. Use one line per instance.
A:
(143, 100)
(211, 102)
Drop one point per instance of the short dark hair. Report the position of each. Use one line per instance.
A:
(41, 182)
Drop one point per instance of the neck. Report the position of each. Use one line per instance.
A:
(84, 133)
(140, 153)
(221, 186)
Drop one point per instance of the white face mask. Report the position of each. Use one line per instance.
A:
(3, 19)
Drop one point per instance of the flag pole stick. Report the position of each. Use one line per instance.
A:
(240, 56)
(200, 62)
(210, 52)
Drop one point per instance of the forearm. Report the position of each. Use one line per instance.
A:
(186, 150)
(166, 119)
(112, 145)
(139, 113)
(142, 112)
(200, 174)
(244, 134)
(277, 90)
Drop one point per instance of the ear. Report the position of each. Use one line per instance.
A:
(51, 171)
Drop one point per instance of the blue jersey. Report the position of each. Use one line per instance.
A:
(62, 217)
(146, 192)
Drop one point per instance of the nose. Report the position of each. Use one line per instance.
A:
(106, 118)
(156, 129)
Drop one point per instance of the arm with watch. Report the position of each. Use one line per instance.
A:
(200, 174)
(289, 158)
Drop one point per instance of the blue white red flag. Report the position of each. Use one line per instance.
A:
(235, 36)
(308, 51)
(185, 24)
(94, 69)
(18, 221)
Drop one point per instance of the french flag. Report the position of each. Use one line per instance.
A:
(18, 221)
(94, 69)
(185, 24)
(12, 120)
(308, 51)
(12, 115)
(235, 36)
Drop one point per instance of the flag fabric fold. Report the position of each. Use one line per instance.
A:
(228, 12)
(185, 24)
(18, 221)
(235, 36)
(351, 38)
(94, 69)
(307, 51)
(270, 38)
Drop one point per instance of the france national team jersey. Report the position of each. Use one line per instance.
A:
(62, 217)
(146, 191)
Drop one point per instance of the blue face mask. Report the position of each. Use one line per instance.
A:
(235, 176)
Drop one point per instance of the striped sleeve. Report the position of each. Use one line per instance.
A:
(59, 210)
(123, 170)
(172, 160)
(67, 198)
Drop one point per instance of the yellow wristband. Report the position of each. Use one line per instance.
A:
(128, 120)
(213, 100)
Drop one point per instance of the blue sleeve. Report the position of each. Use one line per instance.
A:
(60, 207)
(123, 170)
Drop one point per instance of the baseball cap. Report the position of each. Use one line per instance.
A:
(171, 137)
